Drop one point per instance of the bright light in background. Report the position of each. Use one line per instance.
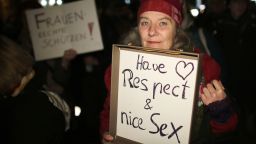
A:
(51, 2)
(59, 2)
(43, 2)
(127, 1)
(77, 111)
(194, 12)
(202, 7)
(198, 3)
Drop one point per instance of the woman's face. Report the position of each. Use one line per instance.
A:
(157, 30)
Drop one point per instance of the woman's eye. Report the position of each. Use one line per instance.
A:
(163, 23)
(144, 23)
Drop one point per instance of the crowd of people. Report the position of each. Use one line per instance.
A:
(38, 97)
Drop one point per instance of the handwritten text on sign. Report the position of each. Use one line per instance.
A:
(156, 97)
(55, 29)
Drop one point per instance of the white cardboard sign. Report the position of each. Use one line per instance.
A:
(152, 95)
(56, 29)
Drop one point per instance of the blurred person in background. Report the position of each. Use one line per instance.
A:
(203, 38)
(35, 116)
(236, 35)
(211, 18)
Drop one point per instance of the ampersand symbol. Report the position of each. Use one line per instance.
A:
(147, 106)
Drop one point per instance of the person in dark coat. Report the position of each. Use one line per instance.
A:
(29, 114)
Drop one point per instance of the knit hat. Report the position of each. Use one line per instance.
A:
(173, 8)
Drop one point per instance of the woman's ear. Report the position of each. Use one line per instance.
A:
(24, 81)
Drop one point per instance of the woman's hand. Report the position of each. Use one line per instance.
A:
(212, 92)
(69, 55)
(107, 138)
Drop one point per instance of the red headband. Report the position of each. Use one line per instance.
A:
(170, 7)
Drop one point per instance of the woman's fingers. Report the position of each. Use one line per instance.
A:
(218, 85)
(211, 89)
(206, 91)
(204, 99)
(206, 96)
(213, 92)
(108, 137)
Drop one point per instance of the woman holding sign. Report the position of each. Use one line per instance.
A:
(159, 27)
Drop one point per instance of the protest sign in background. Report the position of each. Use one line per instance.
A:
(56, 29)
(153, 94)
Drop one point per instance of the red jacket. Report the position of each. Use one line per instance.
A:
(220, 122)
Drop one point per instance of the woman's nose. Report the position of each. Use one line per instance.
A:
(152, 31)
